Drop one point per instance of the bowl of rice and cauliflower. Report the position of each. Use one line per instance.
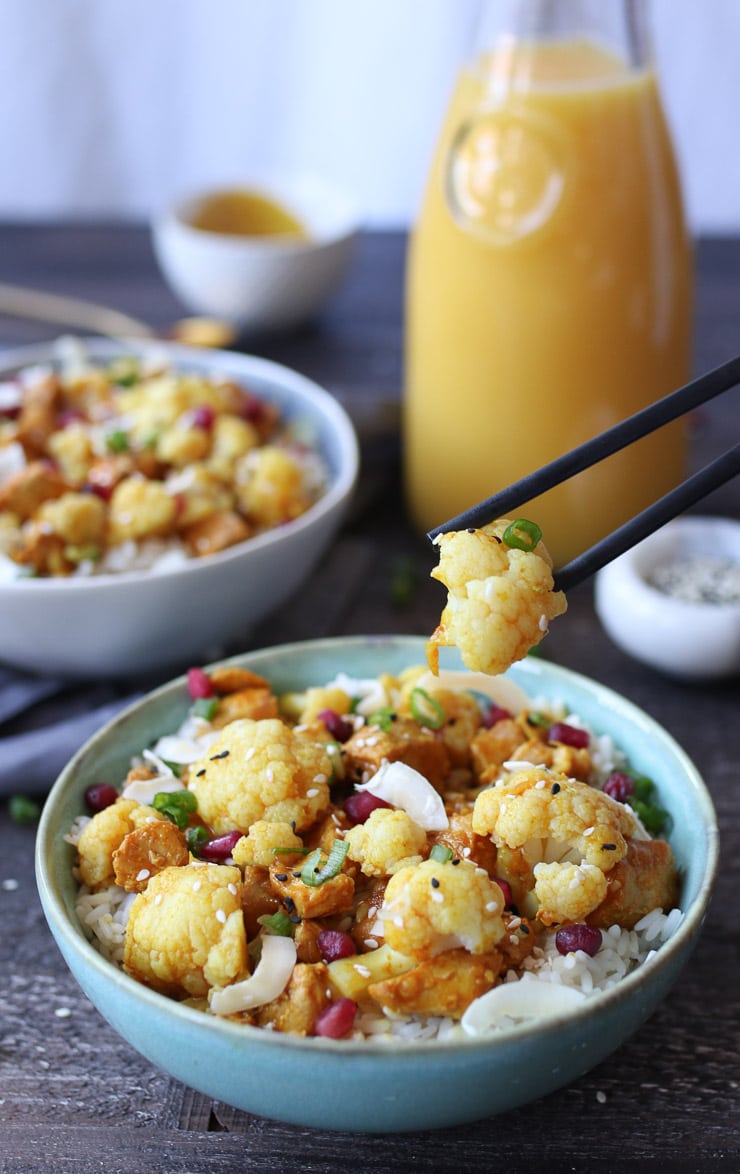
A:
(363, 884)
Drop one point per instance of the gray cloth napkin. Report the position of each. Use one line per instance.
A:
(44, 721)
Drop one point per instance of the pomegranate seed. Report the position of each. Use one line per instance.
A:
(99, 796)
(252, 409)
(69, 416)
(101, 489)
(578, 937)
(220, 847)
(199, 684)
(203, 417)
(505, 889)
(337, 726)
(336, 1019)
(334, 943)
(495, 714)
(619, 786)
(568, 735)
(360, 805)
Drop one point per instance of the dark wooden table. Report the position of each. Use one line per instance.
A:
(74, 1097)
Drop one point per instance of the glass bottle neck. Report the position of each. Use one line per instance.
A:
(620, 27)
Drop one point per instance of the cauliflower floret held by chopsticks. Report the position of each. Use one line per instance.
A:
(500, 597)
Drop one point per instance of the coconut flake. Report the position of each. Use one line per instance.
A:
(519, 1000)
(500, 689)
(269, 980)
(12, 461)
(144, 790)
(402, 786)
(173, 749)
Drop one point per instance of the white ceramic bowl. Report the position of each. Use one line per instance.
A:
(690, 640)
(260, 282)
(127, 623)
(352, 1085)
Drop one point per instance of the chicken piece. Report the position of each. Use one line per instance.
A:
(44, 552)
(493, 747)
(304, 998)
(322, 834)
(573, 761)
(462, 717)
(500, 599)
(253, 702)
(431, 907)
(10, 534)
(231, 438)
(140, 509)
(261, 844)
(24, 491)
(37, 419)
(518, 942)
(443, 985)
(200, 493)
(217, 531)
(333, 896)
(645, 879)
(403, 741)
(367, 930)
(185, 932)
(146, 851)
(107, 472)
(260, 770)
(78, 518)
(259, 899)
(270, 487)
(464, 843)
(104, 834)
(306, 938)
(229, 678)
(386, 842)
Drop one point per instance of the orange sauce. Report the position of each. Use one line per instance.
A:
(240, 212)
(548, 291)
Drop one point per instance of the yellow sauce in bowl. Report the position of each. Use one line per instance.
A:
(240, 212)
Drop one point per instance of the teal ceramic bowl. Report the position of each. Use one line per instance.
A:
(356, 1086)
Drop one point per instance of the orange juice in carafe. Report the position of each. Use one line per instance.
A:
(548, 289)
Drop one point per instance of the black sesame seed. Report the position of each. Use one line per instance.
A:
(296, 874)
(435, 883)
(223, 754)
(471, 529)
(554, 788)
(456, 860)
(608, 847)
(289, 904)
(497, 539)
(524, 929)
(281, 876)
(451, 721)
(199, 774)
(292, 824)
(295, 920)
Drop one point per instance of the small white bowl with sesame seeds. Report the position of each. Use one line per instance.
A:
(673, 601)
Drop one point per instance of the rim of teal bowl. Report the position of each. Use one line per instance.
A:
(668, 957)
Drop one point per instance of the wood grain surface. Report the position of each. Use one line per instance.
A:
(75, 1097)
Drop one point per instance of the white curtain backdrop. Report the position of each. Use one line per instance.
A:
(110, 108)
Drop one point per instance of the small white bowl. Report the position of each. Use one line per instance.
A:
(690, 640)
(145, 620)
(259, 282)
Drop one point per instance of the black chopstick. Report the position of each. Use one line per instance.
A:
(642, 423)
(643, 524)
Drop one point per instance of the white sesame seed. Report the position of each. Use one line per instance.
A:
(312, 792)
(158, 899)
(438, 897)
(10, 885)
(540, 785)
(515, 923)
(196, 886)
(232, 889)
(588, 832)
(398, 921)
(371, 943)
(492, 906)
(363, 971)
(63, 1012)
(143, 874)
(221, 915)
(249, 754)
(513, 939)
(269, 774)
(466, 852)
(601, 1097)
(543, 623)
(320, 778)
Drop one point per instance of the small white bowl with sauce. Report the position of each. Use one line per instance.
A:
(261, 256)
(673, 601)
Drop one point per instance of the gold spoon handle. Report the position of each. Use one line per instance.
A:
(61, 310)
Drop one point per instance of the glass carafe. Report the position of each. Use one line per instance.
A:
(549, 274)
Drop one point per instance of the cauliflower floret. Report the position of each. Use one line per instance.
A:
(568, 892)
(104, 834)
(261, 770)
(270, 486)
(140, 508)
(552, 817)
(185, 932)
(500, 599)
(258, 848)
(72, 450)
(386, 842)
(79, 518)
(231, 438)
(200, 493)
(181, 445)
(432, 907)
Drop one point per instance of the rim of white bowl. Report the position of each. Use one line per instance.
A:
(341, 484)
(680, 940)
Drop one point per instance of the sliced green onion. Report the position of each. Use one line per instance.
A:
(124, 372)
(196, 837)
(384, 718)
(644, 786)
(440, 854)
(204, 707)
(314, 873)
(522, 534)
(82, 554)
(23, 810)
(178, 806)
(426, 709)
(117, 441)
(653, 818)
(277, 923)
(539, 719)
(175, 767)
(290, 851)
(334, 750)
